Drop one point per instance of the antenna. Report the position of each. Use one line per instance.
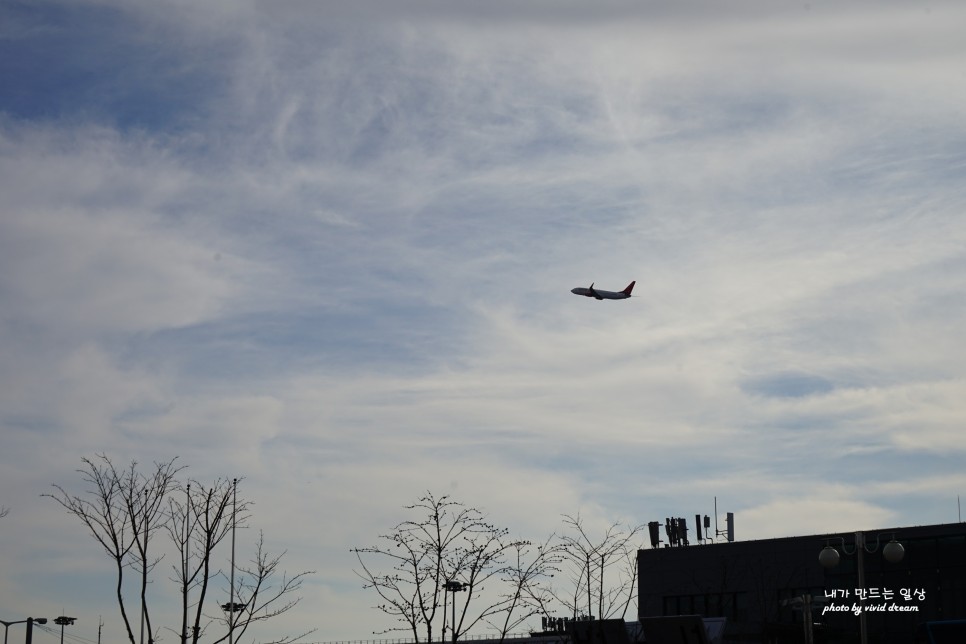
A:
(716, 533)
(729, 530)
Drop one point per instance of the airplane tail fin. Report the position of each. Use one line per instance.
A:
(630, 287)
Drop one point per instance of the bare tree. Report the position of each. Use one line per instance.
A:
(125, 507)
(526, 578)
(199, 519)
(122, 511)
(4, 511)
(449, 543)
(589, 561)
(259, 597)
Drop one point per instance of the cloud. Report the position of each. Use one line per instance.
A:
(87, 238)
(334, 258)
(797, 516)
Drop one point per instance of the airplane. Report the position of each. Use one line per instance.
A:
(604, 295)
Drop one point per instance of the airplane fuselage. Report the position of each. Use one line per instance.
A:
(598, 294)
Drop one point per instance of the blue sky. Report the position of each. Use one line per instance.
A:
(329, 247)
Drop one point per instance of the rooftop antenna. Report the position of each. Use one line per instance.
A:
(716, 516)
(729, 530)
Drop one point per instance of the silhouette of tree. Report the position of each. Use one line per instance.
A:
(588, 560)
(124, 511)
(199, 519)
(259, 599)
(449, 542)
(526, 578)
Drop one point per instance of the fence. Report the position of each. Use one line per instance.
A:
(462, 638)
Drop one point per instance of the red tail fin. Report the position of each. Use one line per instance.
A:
(630, 287)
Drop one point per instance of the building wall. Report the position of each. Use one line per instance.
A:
(747, 581)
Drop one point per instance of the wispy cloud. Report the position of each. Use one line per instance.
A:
(329, 247)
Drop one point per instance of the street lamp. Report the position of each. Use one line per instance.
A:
(231, 608)
(829, 558)
(63, 621)
(30, 626)
(453, 587)
(806, 603)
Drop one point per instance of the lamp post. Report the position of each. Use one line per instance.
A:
(232, 606)
(829, 558)
(63, 621)
(234, 509)
(144, 571)
(454, 587)
(806, 603)
(30, 626)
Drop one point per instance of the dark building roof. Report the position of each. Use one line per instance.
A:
(754, 584)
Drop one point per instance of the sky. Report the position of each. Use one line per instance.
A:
(328, 247)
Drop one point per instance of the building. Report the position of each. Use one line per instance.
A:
(762, 586)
